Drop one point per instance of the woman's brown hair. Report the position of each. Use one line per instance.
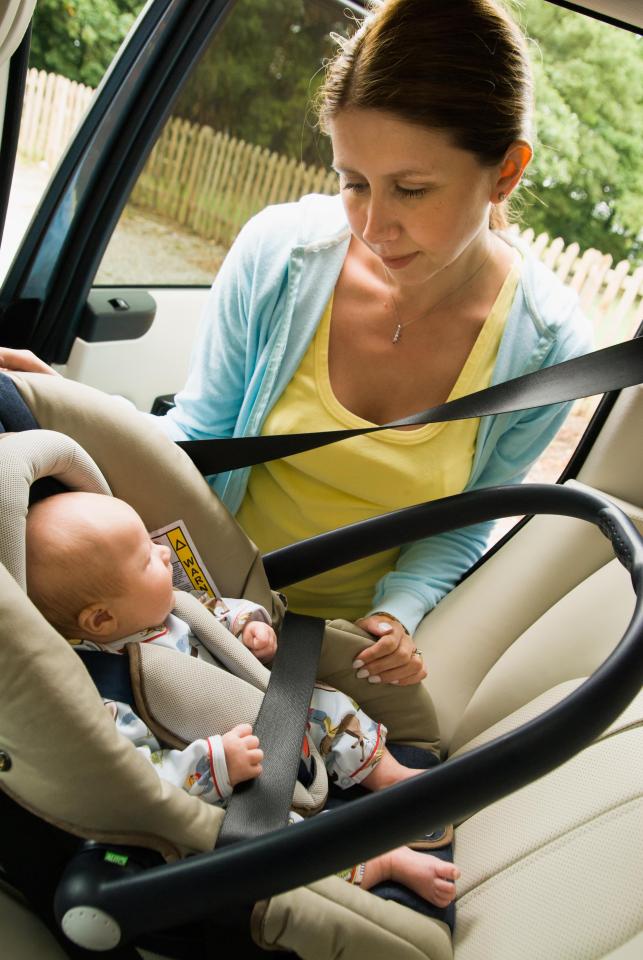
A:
(455, 65)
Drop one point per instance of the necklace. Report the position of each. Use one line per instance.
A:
(397, 335)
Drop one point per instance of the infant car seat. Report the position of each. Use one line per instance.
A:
(233, 561)
(52, 715)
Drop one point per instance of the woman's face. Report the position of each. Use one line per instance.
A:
(415, 200)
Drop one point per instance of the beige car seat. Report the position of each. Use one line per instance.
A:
(553, 870)
(532, 863)
(95, 798)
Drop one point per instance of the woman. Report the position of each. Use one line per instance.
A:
(338, 312)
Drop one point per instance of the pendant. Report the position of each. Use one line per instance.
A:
(398, 333)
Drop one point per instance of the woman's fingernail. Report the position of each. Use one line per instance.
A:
(361, 674)
(357, 664)
(394, 683)
(373, 679)
(385, 627)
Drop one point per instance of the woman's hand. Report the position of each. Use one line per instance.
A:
(25, 361)
(394, 658)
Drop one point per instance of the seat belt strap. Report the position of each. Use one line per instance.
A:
(258, 806)
(611, 368)
(111, 677)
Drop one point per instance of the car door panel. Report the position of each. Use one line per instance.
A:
(44, 294)
(148, 366)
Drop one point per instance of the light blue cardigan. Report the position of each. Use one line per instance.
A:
(260, 317)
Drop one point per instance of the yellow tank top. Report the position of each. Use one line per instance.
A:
(310, 493)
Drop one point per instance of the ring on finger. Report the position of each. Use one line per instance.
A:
(417, 653)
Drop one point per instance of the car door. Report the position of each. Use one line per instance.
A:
(128, 327)
(14, 55)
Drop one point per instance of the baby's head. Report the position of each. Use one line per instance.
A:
(92, 570)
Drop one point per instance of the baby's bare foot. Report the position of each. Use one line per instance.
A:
(427, 875)
(387, 772)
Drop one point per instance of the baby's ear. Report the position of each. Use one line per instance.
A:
(97, 620)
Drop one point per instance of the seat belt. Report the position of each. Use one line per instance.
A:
(260, 805)
(611, 368)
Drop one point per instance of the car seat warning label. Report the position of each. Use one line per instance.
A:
(188, 570)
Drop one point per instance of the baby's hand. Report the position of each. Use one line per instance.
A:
(261, 639)
(242, 754)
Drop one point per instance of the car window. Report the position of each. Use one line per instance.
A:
(73, 43)
(241, 136)
(581, 199)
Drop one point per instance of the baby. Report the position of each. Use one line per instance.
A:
(95, 574)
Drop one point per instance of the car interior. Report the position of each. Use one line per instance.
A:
(534, 669)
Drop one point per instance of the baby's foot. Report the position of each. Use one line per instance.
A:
(387, 772)
(428, 876)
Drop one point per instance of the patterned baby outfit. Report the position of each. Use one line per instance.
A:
(350, 743)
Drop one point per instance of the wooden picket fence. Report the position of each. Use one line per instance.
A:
(53, 107)
(611, 295)
(211, 183)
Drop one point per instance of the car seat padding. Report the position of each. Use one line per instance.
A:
(35, 453)
(358, 639)
(324, 920)
(44, 730)
(16, 416)
(26, 457)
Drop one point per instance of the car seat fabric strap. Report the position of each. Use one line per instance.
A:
(261, 805)
(611, 368)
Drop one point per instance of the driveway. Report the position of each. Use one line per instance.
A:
(144, 249)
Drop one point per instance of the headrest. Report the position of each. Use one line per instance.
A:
(24, 458)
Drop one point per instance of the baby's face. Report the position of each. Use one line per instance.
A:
(147, 597)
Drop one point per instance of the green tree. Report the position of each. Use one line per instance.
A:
(258, 77)
(78, 38)
(586, 180)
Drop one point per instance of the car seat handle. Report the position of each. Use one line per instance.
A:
(307, 558)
